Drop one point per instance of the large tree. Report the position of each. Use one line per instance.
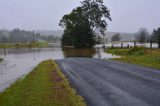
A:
(80, 25)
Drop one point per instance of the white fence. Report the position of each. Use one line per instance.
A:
(128, 44)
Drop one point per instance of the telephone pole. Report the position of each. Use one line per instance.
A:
(33, 37)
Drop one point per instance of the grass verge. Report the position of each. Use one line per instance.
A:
(44, 86)
(24, 45)
(138, 55)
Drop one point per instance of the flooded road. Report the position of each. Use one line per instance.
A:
(19, 62)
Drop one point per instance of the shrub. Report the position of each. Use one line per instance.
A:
(136, 51)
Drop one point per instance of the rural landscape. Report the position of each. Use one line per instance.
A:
(79, 53)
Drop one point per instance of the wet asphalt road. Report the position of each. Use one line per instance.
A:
(111, 83)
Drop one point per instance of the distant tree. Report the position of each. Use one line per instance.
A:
(142, 35)
(81, 23)
(3, 37)
(156, 36)
(22, 36)
(116, 37)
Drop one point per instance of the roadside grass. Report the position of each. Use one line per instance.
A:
(24, 45)
(44, 86)
(138, 55)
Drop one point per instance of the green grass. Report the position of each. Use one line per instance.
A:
(44, 86)
(24, 45)
(7, 45)
(140, 56)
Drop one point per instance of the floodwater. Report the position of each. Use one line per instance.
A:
(19, 62)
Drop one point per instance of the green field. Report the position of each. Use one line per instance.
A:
(138, 55)
(44, 86)
(23, 45)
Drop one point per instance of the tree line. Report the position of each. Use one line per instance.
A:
(142, 36)
(23, 36)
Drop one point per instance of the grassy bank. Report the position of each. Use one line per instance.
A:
(23, 45)
(140, 56)
(44, 86)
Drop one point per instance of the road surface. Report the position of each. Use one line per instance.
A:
(111, 83)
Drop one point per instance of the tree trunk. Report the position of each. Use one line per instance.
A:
(159, 45)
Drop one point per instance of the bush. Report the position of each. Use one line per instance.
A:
(130, 51)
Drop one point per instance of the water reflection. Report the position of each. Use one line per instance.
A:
(91, 53)
(84, 52)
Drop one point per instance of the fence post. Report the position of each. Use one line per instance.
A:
(128, 46)
(5, 52)
(122, 45)
(112, 46)
(134, 43)
(151, 44)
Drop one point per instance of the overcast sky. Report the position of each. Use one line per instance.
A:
(127, 15)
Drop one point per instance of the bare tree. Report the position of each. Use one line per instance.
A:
(142, 35)
(116, 37)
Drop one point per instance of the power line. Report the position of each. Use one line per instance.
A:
(10, 7)
(17, 8)
(14, 9)
(3, 4)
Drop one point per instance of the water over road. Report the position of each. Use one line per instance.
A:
(111, 83)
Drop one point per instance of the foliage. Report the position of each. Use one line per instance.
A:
(44, 86)
(156, 36)
(99, 40)
(116, 37)
(142, 35)
(81, 23)
(136, 51)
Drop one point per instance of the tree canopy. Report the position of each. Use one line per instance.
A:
(80, 25)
